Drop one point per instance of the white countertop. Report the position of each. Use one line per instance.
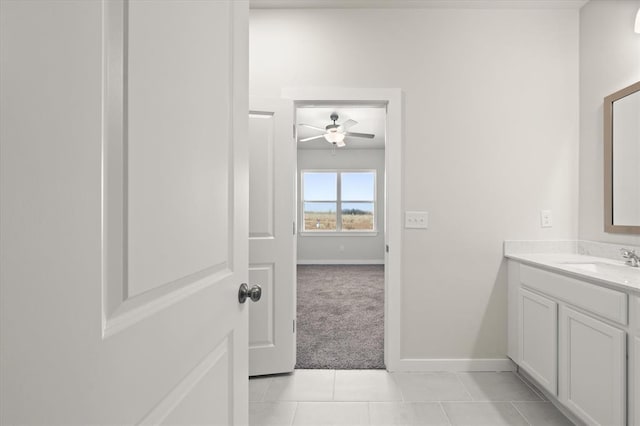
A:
(610, 272)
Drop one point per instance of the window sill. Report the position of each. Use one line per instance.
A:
(339, 234)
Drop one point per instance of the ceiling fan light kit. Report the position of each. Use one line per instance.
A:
(334, 136)
(335, 133)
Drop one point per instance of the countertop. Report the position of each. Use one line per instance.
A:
(612, 273)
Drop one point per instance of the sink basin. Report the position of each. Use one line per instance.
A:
(589, 266)
(602, 268)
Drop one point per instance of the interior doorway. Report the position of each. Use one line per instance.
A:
(273, 212)
(340, 201)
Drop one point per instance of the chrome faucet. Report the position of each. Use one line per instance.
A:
(631, 256)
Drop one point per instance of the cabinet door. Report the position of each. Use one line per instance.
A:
(538, 339)
(634, 387)
(592, 368)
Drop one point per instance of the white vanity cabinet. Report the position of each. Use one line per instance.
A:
(538, 338)
(592, 359)
(633, 360)
(571, 339)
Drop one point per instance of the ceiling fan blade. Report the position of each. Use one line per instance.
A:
(311, 138)
(340, 144)
(347, 124)
(360, 135)
(313, 127)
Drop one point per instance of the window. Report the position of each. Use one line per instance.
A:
(335, 201)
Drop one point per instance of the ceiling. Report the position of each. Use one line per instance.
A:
(370, 120)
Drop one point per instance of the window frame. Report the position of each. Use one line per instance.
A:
(339, 202)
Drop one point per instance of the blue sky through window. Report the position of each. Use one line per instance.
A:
(358, 186)
(320, 186)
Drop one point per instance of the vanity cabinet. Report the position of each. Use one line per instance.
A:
(592, 358)
(538, 339)
(571, 340)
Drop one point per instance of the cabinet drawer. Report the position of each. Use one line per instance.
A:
(607, 303)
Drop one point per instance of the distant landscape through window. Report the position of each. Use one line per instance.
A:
(338, 201)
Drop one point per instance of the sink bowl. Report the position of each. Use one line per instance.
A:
(601, 267)
(588, 266)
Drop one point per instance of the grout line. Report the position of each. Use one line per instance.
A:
(333, 393)
(266, 388)
(464, 387)
(446, 416)
(519, 412)
(397, 386)
(295, 411)
(263, 395)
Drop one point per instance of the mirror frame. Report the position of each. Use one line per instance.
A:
(608, 162)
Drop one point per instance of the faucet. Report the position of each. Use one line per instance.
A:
(631, 256)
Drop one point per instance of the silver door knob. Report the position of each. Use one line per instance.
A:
(252, 293)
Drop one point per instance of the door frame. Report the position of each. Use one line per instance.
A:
(392, 99)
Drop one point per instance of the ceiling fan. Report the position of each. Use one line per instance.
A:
(335, 133)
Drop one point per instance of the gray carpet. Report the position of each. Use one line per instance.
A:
(340, 316)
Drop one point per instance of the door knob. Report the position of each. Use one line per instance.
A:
(252, 293)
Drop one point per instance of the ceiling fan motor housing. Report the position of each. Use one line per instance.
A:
(332, 127)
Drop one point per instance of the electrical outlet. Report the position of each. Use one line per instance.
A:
(416, 220)
(546, 220)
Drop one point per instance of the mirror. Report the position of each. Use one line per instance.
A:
(622, 161)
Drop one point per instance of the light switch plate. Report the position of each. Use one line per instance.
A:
(416, 220)
(546, 220)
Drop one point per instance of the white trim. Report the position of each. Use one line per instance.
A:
(417, 4)
(338, 234)
(340, 261)
(392, 99)
(479, 364)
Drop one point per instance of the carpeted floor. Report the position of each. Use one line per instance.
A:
(340, 316)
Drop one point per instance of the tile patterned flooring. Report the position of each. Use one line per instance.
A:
(376, 397)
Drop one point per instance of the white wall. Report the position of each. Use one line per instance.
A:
(609, 61)
(490, 139)
(356, 249)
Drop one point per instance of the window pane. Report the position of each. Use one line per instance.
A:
(357, 217)
(320, 186)
(358, 186)
(320, 216)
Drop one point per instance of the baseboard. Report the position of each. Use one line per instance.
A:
(478, 364)
(341, 262)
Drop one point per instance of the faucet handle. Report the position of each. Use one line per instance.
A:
(626, 253)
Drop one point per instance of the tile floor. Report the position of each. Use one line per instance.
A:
(376, 397)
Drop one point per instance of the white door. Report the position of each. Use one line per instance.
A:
(592, 368)
(272, 159)
(124, 212)
(538, 339)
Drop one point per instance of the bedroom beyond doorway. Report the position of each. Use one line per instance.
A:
(340, 317)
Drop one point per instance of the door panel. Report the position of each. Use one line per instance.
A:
(592, 368)
(175, 107)
(261, 320)
(127, 133)
(271, 236)
(538, 338)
